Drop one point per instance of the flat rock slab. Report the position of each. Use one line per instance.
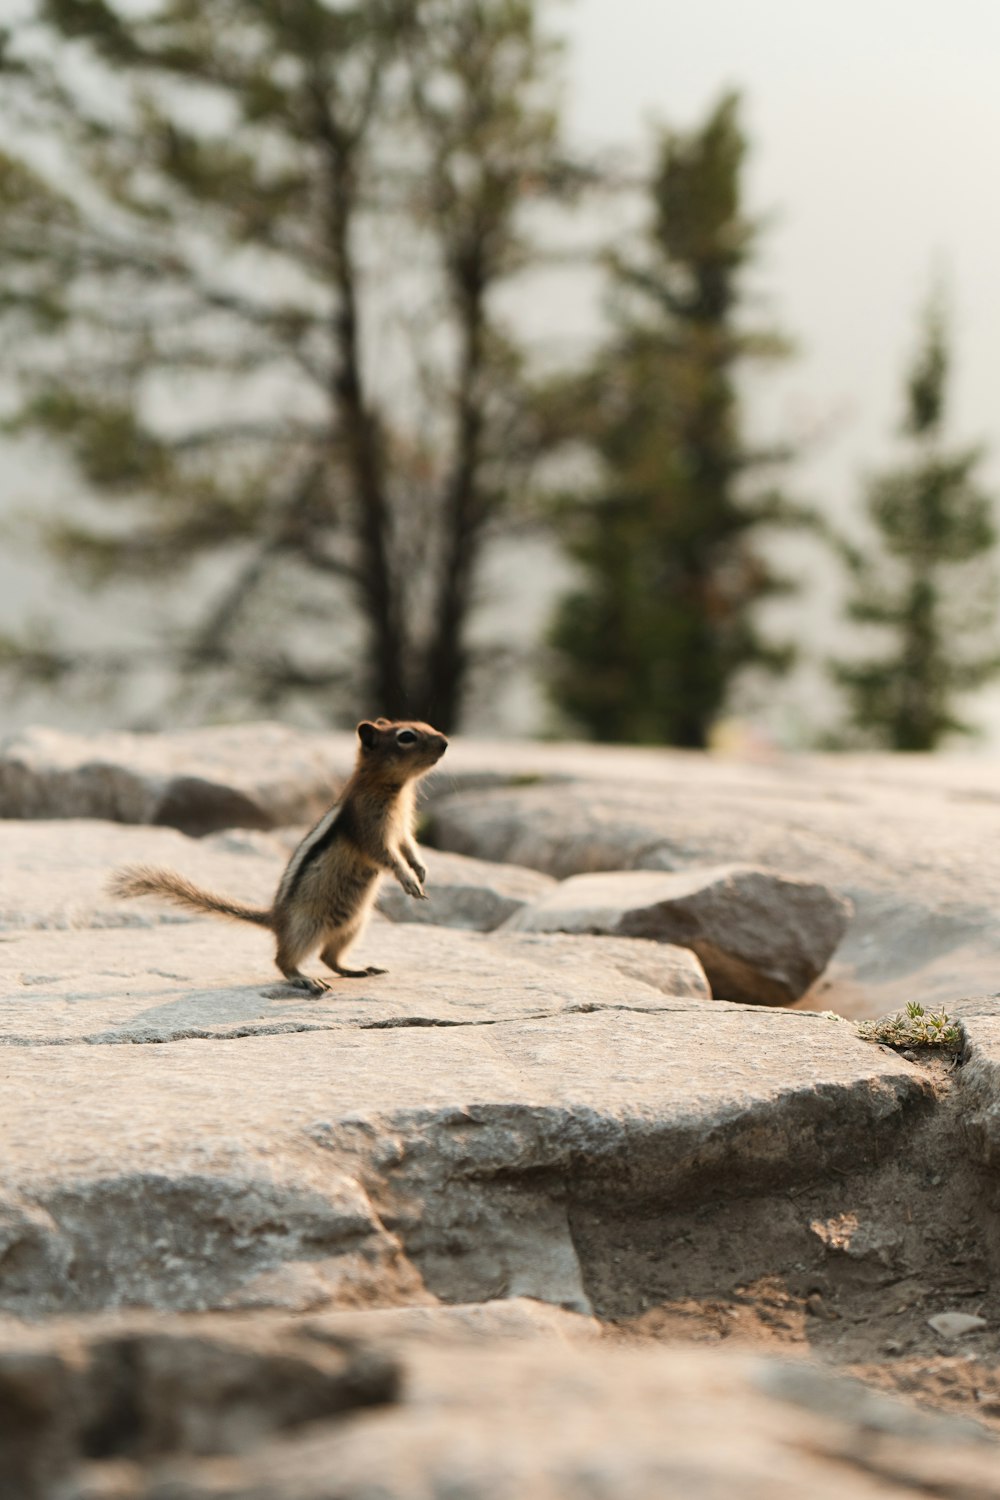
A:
(198, 780)
(200, 978)
(761, 938)
(463, 892)
(182, 1129)
(54, 873)
(291, 1412)
(400, 1162)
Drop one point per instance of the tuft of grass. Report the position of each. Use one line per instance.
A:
(913, 1026)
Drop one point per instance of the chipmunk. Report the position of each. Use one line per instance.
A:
(328, 888)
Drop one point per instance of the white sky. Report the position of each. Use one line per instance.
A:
(875, 137)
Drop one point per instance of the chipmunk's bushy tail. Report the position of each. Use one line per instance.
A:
(143, 880)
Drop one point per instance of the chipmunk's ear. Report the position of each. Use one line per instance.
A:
(367, 734)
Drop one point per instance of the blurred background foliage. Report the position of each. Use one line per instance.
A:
(256, 260)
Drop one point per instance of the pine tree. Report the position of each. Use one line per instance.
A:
(253, 266)
(927, 580)
(647, 646)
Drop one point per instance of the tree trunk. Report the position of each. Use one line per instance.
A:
(379, 591)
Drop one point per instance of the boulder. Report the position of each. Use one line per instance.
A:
(197, 780)
(762, 939)
(470, 893)
(142, 1393)
(93, 1412)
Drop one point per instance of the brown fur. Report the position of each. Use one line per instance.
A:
(329, 884)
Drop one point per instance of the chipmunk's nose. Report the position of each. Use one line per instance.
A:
(442, 744)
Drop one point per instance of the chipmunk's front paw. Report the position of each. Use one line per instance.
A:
(413, 888)
(420, 872)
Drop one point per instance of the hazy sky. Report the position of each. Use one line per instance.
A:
(875, 131)
(875, 136)
(874, 128)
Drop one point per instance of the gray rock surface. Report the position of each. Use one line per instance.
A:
(358, 1236)
(198, 780)
(142, 1393)
(54, 873)
(470, 893)
(258, 775)
(667, 968)
(913, 841)
(216, 1138)
(293, 1413)
(981, 1080)
(761, 939)
(201, 979)
(257, 1170)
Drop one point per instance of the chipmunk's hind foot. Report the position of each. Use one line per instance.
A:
(309, 984)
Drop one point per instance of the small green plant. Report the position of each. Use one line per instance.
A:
(913, 1026)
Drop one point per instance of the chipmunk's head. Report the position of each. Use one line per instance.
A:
(406, 746)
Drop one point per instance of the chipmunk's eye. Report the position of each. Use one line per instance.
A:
(405, 737)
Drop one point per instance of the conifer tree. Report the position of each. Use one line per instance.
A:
(648, 644)
(926, 582)
(253, 249)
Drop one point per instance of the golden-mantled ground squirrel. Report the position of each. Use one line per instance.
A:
(328, 888)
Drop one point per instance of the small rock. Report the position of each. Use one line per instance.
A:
(762, 939)
(817, 1308)
(952, 1325)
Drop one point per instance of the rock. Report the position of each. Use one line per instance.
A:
(197, 780)
(202, 979)
(254, 1154)
(980, 1076)
(536, 1420)
(761, 939)
(952, 1325)
(669, 969)
(139, 1392)
(871, 1239)
(463, 1323)
(852, 823)
(216, 1138)
(54, 873)
(464, 892)
(562, 830)
(54, 876)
